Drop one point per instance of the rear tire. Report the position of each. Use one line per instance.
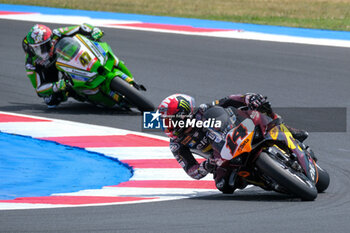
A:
(296, 183)
(323, 179)
(133, 96)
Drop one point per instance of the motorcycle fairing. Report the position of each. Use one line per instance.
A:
(238, 140)
(102, 56)
(281, 134)
(80, 63)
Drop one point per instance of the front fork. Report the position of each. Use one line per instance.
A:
(125, 74)
(282, 135)
(307, 162)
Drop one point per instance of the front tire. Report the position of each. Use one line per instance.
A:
(132, 95)
(295, 182)
(323, 179)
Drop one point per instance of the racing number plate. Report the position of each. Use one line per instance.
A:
(238, 140)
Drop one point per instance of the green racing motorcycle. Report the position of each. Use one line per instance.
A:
(94, 74)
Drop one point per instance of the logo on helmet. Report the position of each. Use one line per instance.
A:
(38, 34)
(184, 105)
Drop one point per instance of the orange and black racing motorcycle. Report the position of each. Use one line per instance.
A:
(263, 152)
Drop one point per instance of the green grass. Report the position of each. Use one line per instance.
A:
(323, 14)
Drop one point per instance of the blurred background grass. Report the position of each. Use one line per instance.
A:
(323, 14)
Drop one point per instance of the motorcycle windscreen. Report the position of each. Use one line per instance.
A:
(67, 48)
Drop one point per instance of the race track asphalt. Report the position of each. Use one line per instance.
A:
(291, 75)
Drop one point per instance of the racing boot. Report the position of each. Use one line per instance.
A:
(55, 99)
(298, 134)
(221, 181)
(228, 183)
(240, 183)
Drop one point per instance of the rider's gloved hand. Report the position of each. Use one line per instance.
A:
(30, 66)
(203, 107)
(254, 101)
(96, 33)
(59, 86)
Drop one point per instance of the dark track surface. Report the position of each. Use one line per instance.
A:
(207, 68)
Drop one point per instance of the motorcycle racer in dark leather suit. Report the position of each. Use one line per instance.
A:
(186, 141)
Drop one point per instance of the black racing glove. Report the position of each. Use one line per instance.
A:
(254, 101)
(203, 107)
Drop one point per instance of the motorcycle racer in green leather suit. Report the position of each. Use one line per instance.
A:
(38, 46)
